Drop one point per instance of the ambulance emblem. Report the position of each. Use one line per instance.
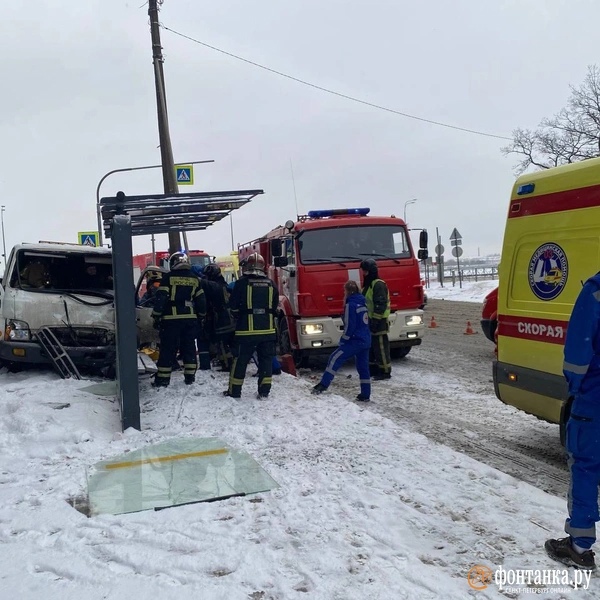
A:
(548, 270)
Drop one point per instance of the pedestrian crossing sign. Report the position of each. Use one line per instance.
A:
(88, 238)
(184, 174)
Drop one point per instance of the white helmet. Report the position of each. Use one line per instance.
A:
(253, 265)
(179, 260)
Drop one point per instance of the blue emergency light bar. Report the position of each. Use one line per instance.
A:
(331, 212)
(526, 188)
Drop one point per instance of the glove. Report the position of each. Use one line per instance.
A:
(156, 322)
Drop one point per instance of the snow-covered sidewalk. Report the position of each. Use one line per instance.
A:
(365, 509)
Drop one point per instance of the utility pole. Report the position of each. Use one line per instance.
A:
(166, 151)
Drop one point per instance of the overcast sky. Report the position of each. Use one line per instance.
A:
(78, 101)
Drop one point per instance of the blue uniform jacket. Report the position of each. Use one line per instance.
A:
(582, 350)
(356, 322)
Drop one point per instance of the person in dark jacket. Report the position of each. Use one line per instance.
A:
(202, 338)
(219, 322)
(355, 341)
(581, 369)
(253, 304)
(180, 303)
(152, 285)
(377, 296)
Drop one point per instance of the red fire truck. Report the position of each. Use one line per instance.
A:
(311, 259)
(161, 259)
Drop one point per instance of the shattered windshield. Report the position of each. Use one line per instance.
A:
(340, 244)
(47, 271)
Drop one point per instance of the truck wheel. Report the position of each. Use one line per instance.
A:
(284, 345)
(400, 352)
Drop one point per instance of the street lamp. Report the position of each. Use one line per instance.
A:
(99, 212)
(405, 205)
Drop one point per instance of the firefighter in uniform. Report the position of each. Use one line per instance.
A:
(377, 295)
(180, 303)
(253, 303)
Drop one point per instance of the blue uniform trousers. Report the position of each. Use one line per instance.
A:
(340, 356)
(583, 450)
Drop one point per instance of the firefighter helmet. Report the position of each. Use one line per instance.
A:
(153, 275)
(179, 260)
(212, 271)
(254, 265)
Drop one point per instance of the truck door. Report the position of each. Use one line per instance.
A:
(289, 275)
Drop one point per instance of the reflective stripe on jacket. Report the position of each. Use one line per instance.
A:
(253, 303)
(180, 296)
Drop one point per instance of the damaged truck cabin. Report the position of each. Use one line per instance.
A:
(310, 260)
(66, 288)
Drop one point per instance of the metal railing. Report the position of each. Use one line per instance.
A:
(455, 276)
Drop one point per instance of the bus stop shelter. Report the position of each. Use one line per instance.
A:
(126, 216)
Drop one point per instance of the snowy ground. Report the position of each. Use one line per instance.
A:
(471, 291)
(366, 509)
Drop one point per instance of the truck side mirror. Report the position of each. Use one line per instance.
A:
(276, 247)
(423, 239)
(423, 254)
(280, 261)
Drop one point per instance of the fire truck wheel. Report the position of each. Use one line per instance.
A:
(284, 345)
(400, 352)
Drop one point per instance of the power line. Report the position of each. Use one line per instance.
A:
(333, 92)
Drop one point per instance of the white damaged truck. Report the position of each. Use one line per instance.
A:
(65, 288)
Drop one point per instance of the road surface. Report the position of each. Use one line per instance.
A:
(444, 390)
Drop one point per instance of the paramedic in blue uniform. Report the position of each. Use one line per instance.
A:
(582, 371)
(179, 306)
(355, 341)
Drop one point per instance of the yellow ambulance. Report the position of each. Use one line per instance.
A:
(230, 266)
(551, 246)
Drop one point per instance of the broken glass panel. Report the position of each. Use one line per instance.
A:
(179, 471)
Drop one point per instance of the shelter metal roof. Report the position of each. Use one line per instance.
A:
(161, 213)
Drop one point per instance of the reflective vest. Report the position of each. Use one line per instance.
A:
(371, 305)
(180, 296)
(253, 303)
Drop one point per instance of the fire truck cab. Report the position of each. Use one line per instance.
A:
(310, 260)
(161, 259)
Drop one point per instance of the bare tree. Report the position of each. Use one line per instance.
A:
(570, 136)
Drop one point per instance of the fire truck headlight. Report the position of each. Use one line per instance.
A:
(413, 320)
(311, 328)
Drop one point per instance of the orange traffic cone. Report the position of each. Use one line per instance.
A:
(469, 329)
(433, 324)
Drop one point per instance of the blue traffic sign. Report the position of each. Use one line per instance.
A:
(88, 238)
(184, 174)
